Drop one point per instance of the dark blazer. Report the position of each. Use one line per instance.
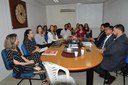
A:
(114, 56)
(99, 39)
(107, 43)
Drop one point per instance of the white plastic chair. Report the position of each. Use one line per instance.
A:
(55, 78)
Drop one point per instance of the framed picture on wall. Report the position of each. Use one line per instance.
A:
(18, 13)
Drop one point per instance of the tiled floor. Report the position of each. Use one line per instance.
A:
(79, 77)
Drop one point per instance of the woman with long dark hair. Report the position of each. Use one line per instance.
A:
(30, 43)
(45, 32)
(81, 32)
(88, 31)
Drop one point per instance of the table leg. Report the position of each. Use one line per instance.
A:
(89, 77)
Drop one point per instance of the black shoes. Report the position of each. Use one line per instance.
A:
(45, 82)
(110, 80)
(101, 76)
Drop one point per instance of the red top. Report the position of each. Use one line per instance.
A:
(80, 34)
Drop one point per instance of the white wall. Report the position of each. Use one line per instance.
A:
(116, 12)
(36, 15)
(91, 14)
(54, 16)
(84, 13)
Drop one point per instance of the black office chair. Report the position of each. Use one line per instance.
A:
(123, 71)
(24, 75)
(58, 31)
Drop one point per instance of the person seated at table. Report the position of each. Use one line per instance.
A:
(39, 37)
(19, 62)
(114, 55)
(30, 42)
(55, 28)
(52, 35)
(76, 28)
(81, 32)
(102, 34)
(70, 28)
(65, 33)
(45, 33)
(58, 31)
(109, 38)
(88, 31)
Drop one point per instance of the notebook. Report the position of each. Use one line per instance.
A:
(50, 52)
(43, 49)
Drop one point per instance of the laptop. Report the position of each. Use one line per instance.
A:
(56, 44)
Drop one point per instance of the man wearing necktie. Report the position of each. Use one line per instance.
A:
(109, 37)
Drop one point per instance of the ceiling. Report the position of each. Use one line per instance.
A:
(61, 2)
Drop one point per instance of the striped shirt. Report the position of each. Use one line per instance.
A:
(30, 46)
(14, 55)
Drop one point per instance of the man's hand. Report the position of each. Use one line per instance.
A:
(101, 50)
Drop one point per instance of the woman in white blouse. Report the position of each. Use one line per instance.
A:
(39, 37)
(52, 35)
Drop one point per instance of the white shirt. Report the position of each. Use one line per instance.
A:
(39, 39)
(65, 33)
(106, 40)
(51, 38)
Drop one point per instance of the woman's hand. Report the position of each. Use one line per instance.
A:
(23, 63)
(44, 42)
(92, 39)
(31, 61)
(36, 50)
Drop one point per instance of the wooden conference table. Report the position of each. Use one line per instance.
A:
(84, 62)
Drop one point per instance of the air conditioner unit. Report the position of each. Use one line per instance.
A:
(67, 10)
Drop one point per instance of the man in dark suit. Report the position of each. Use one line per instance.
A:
(109, 37)
(114, 55)
(102, 34)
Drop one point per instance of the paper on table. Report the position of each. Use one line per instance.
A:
(87, 44)
(50, 52)
(73, 46)
(43, 49)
